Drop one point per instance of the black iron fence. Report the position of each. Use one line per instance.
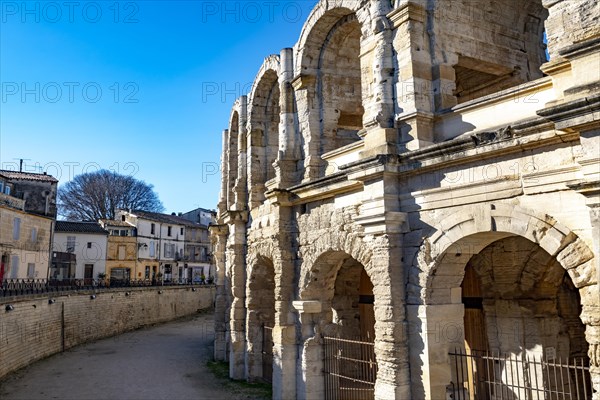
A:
(350, 369)
(486, 375)
(22, 287)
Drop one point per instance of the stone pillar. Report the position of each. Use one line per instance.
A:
(241, 183)
(378, 119)
(385, 224)
(236, 269)
(421, 87)
(284, 361)
(309, 123)
(289, 143)
(285, 350)
(310, 384)
(219, 239)
(590, 315)
(222, 206)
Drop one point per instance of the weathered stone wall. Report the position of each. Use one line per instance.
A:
(416, 139)
(35, 329)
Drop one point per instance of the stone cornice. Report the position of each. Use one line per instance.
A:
(575, 114)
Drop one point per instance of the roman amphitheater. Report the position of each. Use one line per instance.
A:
(410, 205)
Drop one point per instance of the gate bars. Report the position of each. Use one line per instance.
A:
(482, 375)
(350, 369)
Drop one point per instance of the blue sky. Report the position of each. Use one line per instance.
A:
(139, 87)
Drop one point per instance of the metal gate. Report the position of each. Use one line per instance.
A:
(483, 375)
(267, 354)
(350, 369)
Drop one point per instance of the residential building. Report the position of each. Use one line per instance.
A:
(198, 248)
(410, 205)
(37, 190)
(121, 251)
(201, 216)
(161, 241)
(88, 241)
(25, 233)
(168, 244)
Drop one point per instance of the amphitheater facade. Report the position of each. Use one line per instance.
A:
(410, 202)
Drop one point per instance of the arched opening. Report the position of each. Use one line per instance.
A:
(515, 332)
(346, 325)
(501, 44)
(260, 304)
(264, 141)
(339, 87)
(232, 165)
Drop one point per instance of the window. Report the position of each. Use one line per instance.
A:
(7, 190)
(152, 250)
(181, 231)
(17, 228)
(14, 267)
(124, 232)
(147, 272)
(169, 250)
(31, 270)
(70, 244)
(34, 234)
(152, 229)
(89, 245)
(193, 234)
(1, 187)
(169, 231)
(123, 218)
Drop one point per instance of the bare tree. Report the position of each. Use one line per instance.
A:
(96, 195)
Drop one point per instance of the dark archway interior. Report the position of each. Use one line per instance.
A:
(520, 302)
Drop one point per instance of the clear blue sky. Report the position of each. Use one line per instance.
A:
(139, 87)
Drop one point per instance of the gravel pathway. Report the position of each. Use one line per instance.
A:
(162, 362)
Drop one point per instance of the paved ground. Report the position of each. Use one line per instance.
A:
(161, 362)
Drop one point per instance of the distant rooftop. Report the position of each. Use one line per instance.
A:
(79, 227)
(166, 218)
(115, 222)
(27, 176)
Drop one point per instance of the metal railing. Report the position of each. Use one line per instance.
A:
(482, 375)
(23, 287)
(350, 369)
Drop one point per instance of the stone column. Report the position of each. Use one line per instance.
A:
(219, 239)
(241, 183)
(236, 268)
(284, 334)
(222, 206)
(289, 143)
(590, 315)
(420, 86)
(310, 384)
(309, 123)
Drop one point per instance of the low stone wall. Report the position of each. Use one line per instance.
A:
(37, 328)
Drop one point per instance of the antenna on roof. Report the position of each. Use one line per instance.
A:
(21, 162)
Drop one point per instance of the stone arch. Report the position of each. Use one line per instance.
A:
(260, 306)
(497, 221)
(344, 244)
(263, 126)
(332, 79)
(435, 278)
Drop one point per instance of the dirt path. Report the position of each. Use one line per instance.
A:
(162, 362)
